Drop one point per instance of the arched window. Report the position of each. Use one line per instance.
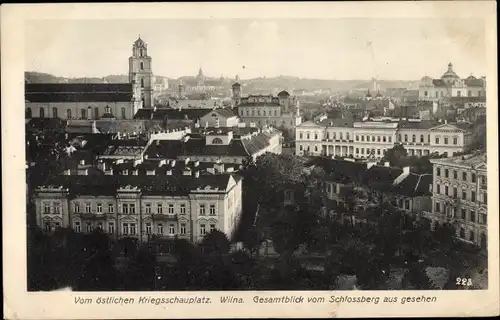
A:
(248, 113)
(96, 113)
(142, 65)
(422, 138)
(438, 171)
(68, 113)
(462, 233)
(472, 236)
(399, 138)
(217, 141)
(264, 113)
(308, 136)
(124, 114)
(275, 113)
(142, 82)
(54, 112)
(42, 113)
(140, 52)
(413, 138)
(315, 136)
(406, 138)
(253, 112)
(28, 113)
(258, 112)
(300, 135)
(84, 113)
(107, 109)
(347, 136)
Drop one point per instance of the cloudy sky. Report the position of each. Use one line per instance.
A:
(404, 49)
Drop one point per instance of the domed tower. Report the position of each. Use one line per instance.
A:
(450, 76)
(284, 98)
(141, 73)
(200, 77)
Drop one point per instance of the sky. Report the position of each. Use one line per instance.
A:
(342, 49)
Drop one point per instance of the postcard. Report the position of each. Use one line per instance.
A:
(250, 160)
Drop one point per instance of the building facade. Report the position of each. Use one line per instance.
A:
(281, 111)
(460, 196)
(144, 208)
(451, 85)
(371, 139)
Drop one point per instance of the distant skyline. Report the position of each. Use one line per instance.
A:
(341, 49)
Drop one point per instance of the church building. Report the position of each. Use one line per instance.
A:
(94, 101)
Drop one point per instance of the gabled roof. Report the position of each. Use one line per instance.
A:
(381, 177)
(78, 92)
(454, 126)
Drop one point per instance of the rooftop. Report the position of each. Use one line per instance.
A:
(78, 92)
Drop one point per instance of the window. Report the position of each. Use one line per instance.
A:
(485, 198)
(46, 207)
(308, 136)
(212, 209)
(446, 189)
(425, 93)
(170, 208)
(125, 229)
(160, 228)
(315, 136)
(125, 208)
(202, 229)
(446, 173)
(407, 204)
(132, 228)
(471, 233)
(88, 208)
(107, 109)
(99, 208)
(438, 189)
(384, 139)
(217, 141)
(183, 208)
(472, 216)
(42, 113)
(455, 174)
(437, 140)
(142, 82)
(445, 140)
(469, 93)
(316, 148)
(483, 219)
(148, 228)
(357, 138)
(455, 140)
(142, 63)
(357, 150)
(462, 213)
(406, 138)
(68, 113)
(140, 52)
(455, 193)
(78, 227)
(459, 93)
(77, 207)
(473, 177)
(89, 227)
(84, 113)
(438, 207)
(111, 208)
(473, 196)
(124, 114)
(28, 113)
(96, 113)
(159, 208)
(202, 209)
(373, 138)
(464, 176)
(462, 233)
(413, 138)
(300, 135)
(47, 226)
(300, 147)
(212, 227)
(99, 226)
(111, 227)
(422, 138)
(171, 229)
(464, 195)
(148, 208)
(183, 228)
(390, 139)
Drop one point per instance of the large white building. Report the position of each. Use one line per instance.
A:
(93, 101)
(371, 139)
(144, 207)
(460, 196)
(451, 85)
(282, 111)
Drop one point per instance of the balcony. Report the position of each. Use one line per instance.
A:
(164, 217)
(92, 216)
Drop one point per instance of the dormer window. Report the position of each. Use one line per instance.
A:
(217, 141)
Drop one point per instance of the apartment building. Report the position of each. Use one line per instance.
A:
(370, 139)
(145, 207)
(460, 196)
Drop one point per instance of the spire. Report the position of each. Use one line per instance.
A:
(450, 67)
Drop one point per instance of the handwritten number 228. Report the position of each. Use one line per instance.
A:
(464, 282)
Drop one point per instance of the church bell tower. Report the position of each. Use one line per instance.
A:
(141, 72)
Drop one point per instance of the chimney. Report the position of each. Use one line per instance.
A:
(137, 162)
(219, 167)
(82, 162)
(406, 170)
(197, 174)
(387, 164)
(162, 163)
(197, 163)
(211, 170)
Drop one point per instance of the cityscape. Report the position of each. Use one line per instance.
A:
(141, 181)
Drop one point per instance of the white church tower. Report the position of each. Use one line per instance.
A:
(141, 72)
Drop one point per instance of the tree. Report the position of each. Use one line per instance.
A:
(216, 241)
(140, 272)
(416, 276)
(396, 156)
(252, 242)
(284, 238)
